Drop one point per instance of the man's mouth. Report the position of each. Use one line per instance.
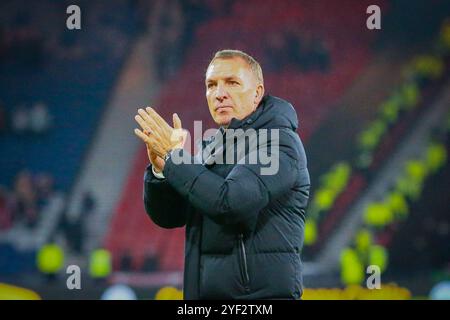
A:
(220, 109)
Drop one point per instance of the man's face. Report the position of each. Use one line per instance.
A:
(232, 90)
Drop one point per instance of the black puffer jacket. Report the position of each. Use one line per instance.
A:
(244, 230)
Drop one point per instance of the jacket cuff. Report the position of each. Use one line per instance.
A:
(158, 175)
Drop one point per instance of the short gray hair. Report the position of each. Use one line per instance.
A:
(252, 63)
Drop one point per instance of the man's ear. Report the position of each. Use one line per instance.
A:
(259, 94)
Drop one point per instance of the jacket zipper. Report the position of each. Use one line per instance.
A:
(243, 263)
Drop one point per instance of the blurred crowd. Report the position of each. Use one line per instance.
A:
(75, 230)
(35, 33)
(35, 119)
(28, 200)
(290, 48)
(23, 202)
(177, 21)
(296, 49)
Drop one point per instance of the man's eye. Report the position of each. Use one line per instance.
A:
(233, 83)
(211, 85)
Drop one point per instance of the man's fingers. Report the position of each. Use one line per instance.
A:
(178, 135)
(145, 116)
(150, 124)
(176, 121)
(141, 135)
(144, 125)
(157, 118)
(162, 136)
(150, 141)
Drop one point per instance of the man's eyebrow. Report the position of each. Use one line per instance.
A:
(231, 78)
(226, 79)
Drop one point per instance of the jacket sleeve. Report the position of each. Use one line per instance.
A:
(164, 205)
(237, 198)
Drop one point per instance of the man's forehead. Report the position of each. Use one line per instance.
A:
(227, 68)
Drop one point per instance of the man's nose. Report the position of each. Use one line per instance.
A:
(221, 93)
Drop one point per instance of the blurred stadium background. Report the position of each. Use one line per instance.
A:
(374, 109)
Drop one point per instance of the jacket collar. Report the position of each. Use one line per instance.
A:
(248, 120)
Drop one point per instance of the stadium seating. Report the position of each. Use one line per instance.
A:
(75, 104)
